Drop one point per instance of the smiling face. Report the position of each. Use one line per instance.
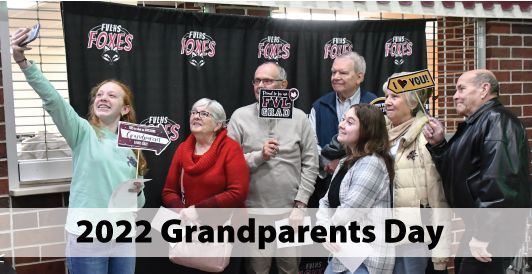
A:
(108, 104)
(397, 108)
(202, 122)
(344, 80)
(349, 129)
(268, 73)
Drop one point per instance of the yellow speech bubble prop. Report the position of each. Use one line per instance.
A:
(410, 82)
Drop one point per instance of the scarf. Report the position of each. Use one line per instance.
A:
(395, 133)
(207, 160)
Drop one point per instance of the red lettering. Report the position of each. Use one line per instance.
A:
(286, 103)
(129, 42)
(265, 102)
(120, 41)
(326, 50)
(408, 50)
(183, 45)
(261, 50)
(172, 131)
(197, 48)
(92, 38)
(189, 46)
(101, 40)
(286, 51)
(399, 50)
(212, 47)
(204, 47)
(387, 49)
(111, 37)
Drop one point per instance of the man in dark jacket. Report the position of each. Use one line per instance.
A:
(484, 165)
(347, 73)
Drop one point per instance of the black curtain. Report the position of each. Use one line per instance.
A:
(172, 58)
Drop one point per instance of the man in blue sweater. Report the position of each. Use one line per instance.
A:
(347, 73)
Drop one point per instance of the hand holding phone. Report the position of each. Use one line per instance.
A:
(32, 35)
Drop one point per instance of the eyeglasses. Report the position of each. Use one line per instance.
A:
(202, 114)
(266, 82)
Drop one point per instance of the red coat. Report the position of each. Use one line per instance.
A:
(217, 179)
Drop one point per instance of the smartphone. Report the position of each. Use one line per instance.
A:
(32, 35)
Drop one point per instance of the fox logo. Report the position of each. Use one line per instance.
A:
(273, 48)
(399, 47)
(111, 39)
(196, 46)
(336, 47)
(110, 55)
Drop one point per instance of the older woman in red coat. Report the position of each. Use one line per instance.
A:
(211, 168)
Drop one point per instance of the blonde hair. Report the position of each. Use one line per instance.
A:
(410, 97)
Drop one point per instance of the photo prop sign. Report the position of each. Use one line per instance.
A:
(379, 102)
(143, 137)
(277, 103)
(130, 43)
(411, 82)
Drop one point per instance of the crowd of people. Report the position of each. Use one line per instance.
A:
(345, 154)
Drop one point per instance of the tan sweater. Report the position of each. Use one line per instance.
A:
(289, 176)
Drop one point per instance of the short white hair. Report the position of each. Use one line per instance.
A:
(359, 63)
(215, 108)
(280, 69)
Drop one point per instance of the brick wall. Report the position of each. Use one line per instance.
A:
(509, 55)
(456, 54)
(4, 185)
(12, 230)
(508, 52)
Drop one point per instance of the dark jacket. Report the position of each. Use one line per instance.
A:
(326, 118)
(485, 165)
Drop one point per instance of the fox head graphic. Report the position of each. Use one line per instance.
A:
(110, 54)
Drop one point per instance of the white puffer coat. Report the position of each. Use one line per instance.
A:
(417, 183)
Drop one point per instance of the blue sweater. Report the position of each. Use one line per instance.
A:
(326, 117)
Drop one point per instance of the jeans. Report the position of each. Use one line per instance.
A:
(101, 265)
(362, 269)
(410, 265)
(416, 263)
(98, 258)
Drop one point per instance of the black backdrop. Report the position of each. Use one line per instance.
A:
(172, 58)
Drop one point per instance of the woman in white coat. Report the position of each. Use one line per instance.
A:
(417, 183)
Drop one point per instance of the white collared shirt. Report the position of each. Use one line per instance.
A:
(342, 107)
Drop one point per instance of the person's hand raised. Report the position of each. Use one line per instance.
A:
(17, 37)
(433, 131)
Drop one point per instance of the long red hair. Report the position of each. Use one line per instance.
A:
(130, 117)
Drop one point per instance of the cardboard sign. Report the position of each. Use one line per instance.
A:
(379, 102)
(410, 82)
(277, 103)
(143, 137)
